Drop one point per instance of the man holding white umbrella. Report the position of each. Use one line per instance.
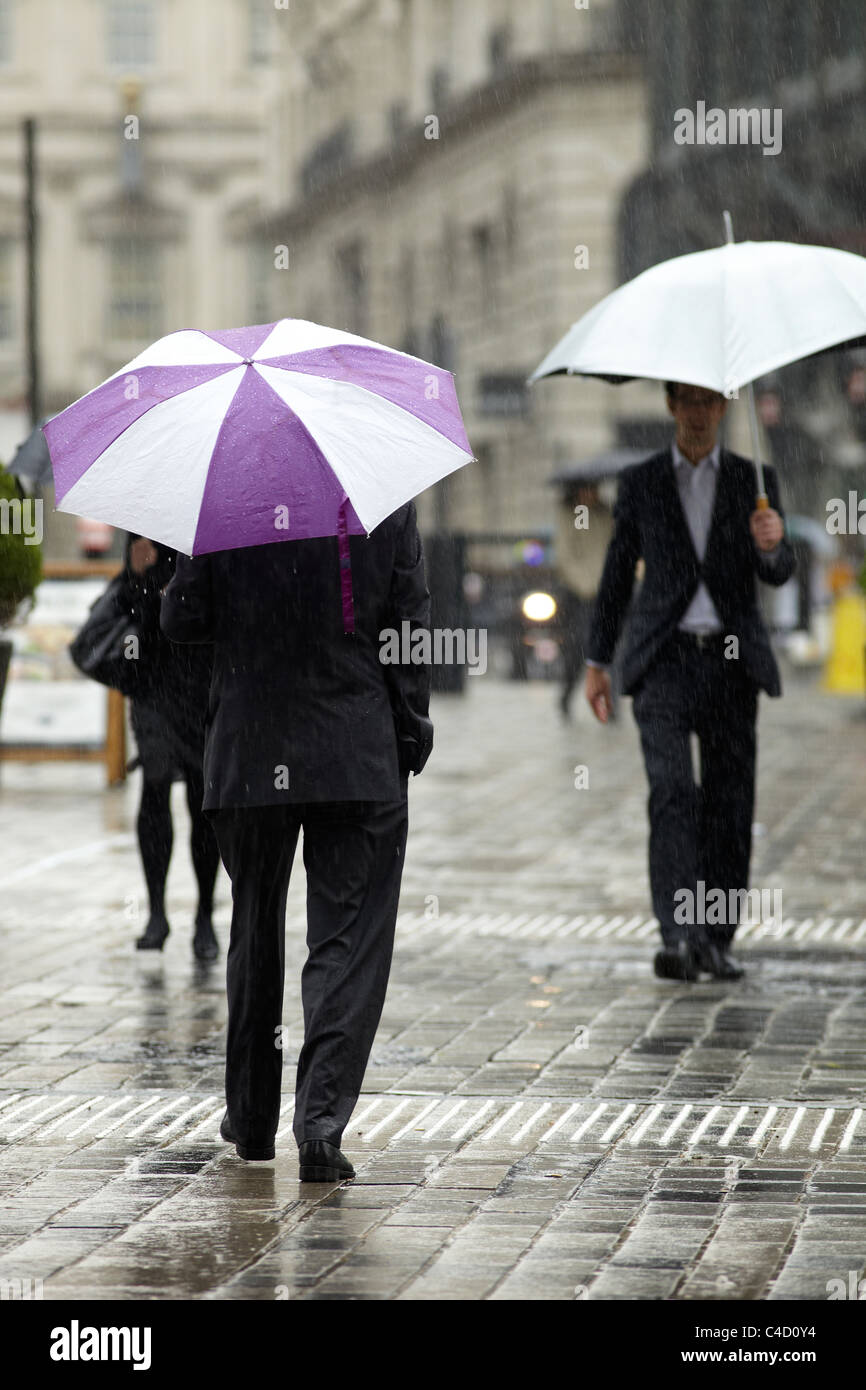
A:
(696, 657)
(707, 524)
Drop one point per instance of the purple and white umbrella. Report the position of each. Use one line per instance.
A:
(280, 431)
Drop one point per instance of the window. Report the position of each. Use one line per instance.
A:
(261, 263)
(352, 285)
(499, 49)
(440, 87)
(484, 257)
(398, 119)
(131, 33)
(259, 32)
(6, 32)
(7, 291)
(134, 292)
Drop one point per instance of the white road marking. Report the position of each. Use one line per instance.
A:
(733, 1126)
(62, 1119)
(764, 1125)
(704, 1125)
(428, 1133)
(675, 1125)
(65, 856)
(641, 1129)
(93, 1119)
(387, 1119)
(849, 1129)
(815, 1142)
(617, 1124)
(40, 1116)
(157, 1115)
(128, 1116)
(464, 1128)
(785, 1141)
(609, 926)
(413, 1123)
(524, 1129)
(629, 927)
(208, 1121)
(182, 1120)
(359, 1119)
(571, 926)
(25, 1105)
(560, 1122)
(287, 1112)
(503, 1119)
(587, 1123)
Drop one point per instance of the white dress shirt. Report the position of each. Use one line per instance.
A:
(696, 484)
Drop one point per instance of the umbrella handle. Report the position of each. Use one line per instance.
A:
(762, 502)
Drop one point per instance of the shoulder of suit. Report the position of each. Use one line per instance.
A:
(743, 465)
(646, 469)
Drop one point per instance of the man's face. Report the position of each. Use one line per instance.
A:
(698, 414)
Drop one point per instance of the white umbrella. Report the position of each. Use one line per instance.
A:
(719, 318)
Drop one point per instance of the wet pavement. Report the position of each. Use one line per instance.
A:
(542, 1119)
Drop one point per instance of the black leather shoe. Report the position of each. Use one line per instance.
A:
(719, 964)
(323, 1162)
(250, 1154)
(154, 936)
(204, 943)
(677, 962)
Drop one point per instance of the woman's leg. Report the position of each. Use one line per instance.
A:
(155, 838)
(205, 861)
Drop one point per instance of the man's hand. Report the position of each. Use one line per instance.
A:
(598, 693)
(767, 528)
(142, 554)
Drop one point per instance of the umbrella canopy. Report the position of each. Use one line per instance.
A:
(597, 469)
(719, 318)
(280, 431)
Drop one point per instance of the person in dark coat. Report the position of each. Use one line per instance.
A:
(309, 726)
(168, 720)
(697, 654)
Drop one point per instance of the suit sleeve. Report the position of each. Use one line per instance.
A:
(187, 613)
(775, 567)
(617, 579)
(409, 684)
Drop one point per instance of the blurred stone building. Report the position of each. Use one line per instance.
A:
(805, 60)
(450, 185)
(152, 156)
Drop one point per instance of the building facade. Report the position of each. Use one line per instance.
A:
(451, 186)
(152, 150)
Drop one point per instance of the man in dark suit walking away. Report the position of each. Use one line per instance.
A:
(696, 656)
(308, 728)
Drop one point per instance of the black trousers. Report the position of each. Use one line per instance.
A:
(353, 856)
(699, 834)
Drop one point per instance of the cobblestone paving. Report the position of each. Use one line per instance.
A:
(542, 1118)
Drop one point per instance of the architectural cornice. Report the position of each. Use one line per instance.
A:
(464, 116)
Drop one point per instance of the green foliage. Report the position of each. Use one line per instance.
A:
(20, 562)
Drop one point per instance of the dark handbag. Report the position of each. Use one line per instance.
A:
(109, 646)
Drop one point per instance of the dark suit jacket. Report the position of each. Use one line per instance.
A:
(650, 523)
(289, 688)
